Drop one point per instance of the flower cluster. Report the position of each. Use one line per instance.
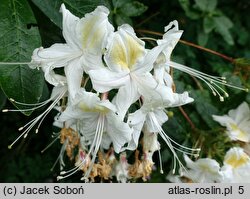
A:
(235, 169)
(112, 94)
(236, 162)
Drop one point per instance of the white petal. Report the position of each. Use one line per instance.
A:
(149, 60)
(58, 55)
(119, 132)
(223, 120)
(69, 28)
(126, 96)
(92, 62)
(171, 38)
(93, 30)
(125, 50)
(181, 99)
(74, 75)
(136, 121)
(241, 113)
(51, 77)
(104, 80)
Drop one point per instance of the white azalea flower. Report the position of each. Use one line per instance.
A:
(152, 116)
(237, 122)
(97, 122)
(202, 170)
(236, 166)
(128, 68)
(169, 40)
(83, 36)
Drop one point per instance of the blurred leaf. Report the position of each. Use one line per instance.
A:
(223, 24)
(242, 62)
(119, 3)
(2, 99)
(77, 7)
(202, 38)
(134, 9)
(204, 106)
(17, 44)
(206, 5)
(208, 24)
(185, 4)
(121, 19)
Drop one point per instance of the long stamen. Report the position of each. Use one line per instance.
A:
(159, 153)
(97, 146)
(50, 144)
(33, 122)
(211, 81)
(94, 146)
(167, 140)
(62, 151)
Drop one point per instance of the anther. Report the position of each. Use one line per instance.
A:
(5, 110)
(63, 172)
(59, 178)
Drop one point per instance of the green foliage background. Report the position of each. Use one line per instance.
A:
(219, 25)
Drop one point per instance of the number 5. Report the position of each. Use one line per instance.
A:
(241, 190)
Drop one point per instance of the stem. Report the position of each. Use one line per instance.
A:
(147, 19)
(230, 59)
(187, 118)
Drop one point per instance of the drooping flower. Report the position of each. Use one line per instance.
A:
(169, 40)
(202, 170)
(151, 116)
(97, 122)
(237, 122)
(87, 35)
(236, 166)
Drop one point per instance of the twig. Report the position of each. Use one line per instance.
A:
(230, 59)
(187, 118)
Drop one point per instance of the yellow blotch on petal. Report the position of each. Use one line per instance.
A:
(91, 36)
(126, 52)
(97, 108)
(236, 161)
(242, 135)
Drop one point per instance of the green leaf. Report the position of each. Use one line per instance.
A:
(208, 24)
(119, 3)
(2, 99)
(206, 5)
(242, 62)
(77, 7)
(17, 43)
(204, 107)
(185, 4)
(121, 19)
(134, 9)
(202, 38)
(223, 24)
